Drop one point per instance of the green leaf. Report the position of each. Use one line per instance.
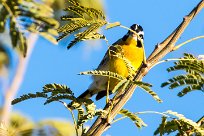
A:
(58, 97)
(189, 63)
(146, 88)
(119, 85)
(103, 73)
(83, 17)
(178, 124)
(186, 78)
(22, 44)
(184, 82)
(186, 67)
(169, 127)
(82, 35)
(140, 83)
(56, 89)
(161, 129)
(29, 96)
(3, 17)
(112, 25)
(27, 16)
(137, 121)
(92, 36)
(193, 79)
(14, 33)
(52, 92)
(189, 89)
(188, 125)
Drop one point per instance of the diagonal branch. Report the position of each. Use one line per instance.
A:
(100, 125)
(184, 24)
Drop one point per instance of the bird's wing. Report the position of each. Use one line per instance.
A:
(112, 50)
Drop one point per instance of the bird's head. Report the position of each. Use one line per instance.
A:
(138, 36)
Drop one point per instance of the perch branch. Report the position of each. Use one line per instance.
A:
(100, 125)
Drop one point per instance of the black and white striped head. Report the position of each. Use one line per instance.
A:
(139, 30)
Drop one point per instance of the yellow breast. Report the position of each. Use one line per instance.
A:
(133, 54)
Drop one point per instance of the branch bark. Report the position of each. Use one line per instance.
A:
(17, 80)
(162, 49)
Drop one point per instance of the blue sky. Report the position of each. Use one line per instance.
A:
(54, 64)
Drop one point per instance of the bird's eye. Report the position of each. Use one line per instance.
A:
(141, 36)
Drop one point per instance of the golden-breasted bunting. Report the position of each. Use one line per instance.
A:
(130, 48)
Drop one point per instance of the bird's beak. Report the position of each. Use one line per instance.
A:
(134, 36)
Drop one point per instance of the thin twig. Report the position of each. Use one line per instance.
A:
(153, 112)
(108, 86)
(143, 112)
(75, 123)
(167, 60)
(118, 119)
(190, 40)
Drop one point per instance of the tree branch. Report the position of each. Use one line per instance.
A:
(100, 125)
(17, 80)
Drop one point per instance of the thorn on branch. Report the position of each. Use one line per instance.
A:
(185, 18)
(158, 46)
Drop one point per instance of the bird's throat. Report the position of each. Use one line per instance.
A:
(131, 40)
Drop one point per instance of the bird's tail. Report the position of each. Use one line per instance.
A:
(85, 95)
(101, 94)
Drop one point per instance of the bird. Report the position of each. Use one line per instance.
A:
(130, 46)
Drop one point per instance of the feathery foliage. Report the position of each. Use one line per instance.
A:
(79, 17)
(88, 112)
(123, 81)
(103, 73)
(52, 92)
(193, 79)
(29, 96)
(25, 16)
(57, 89)
(57, 92)
(136, 120)
(146, 88)
(111, 25)
(180, 124)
